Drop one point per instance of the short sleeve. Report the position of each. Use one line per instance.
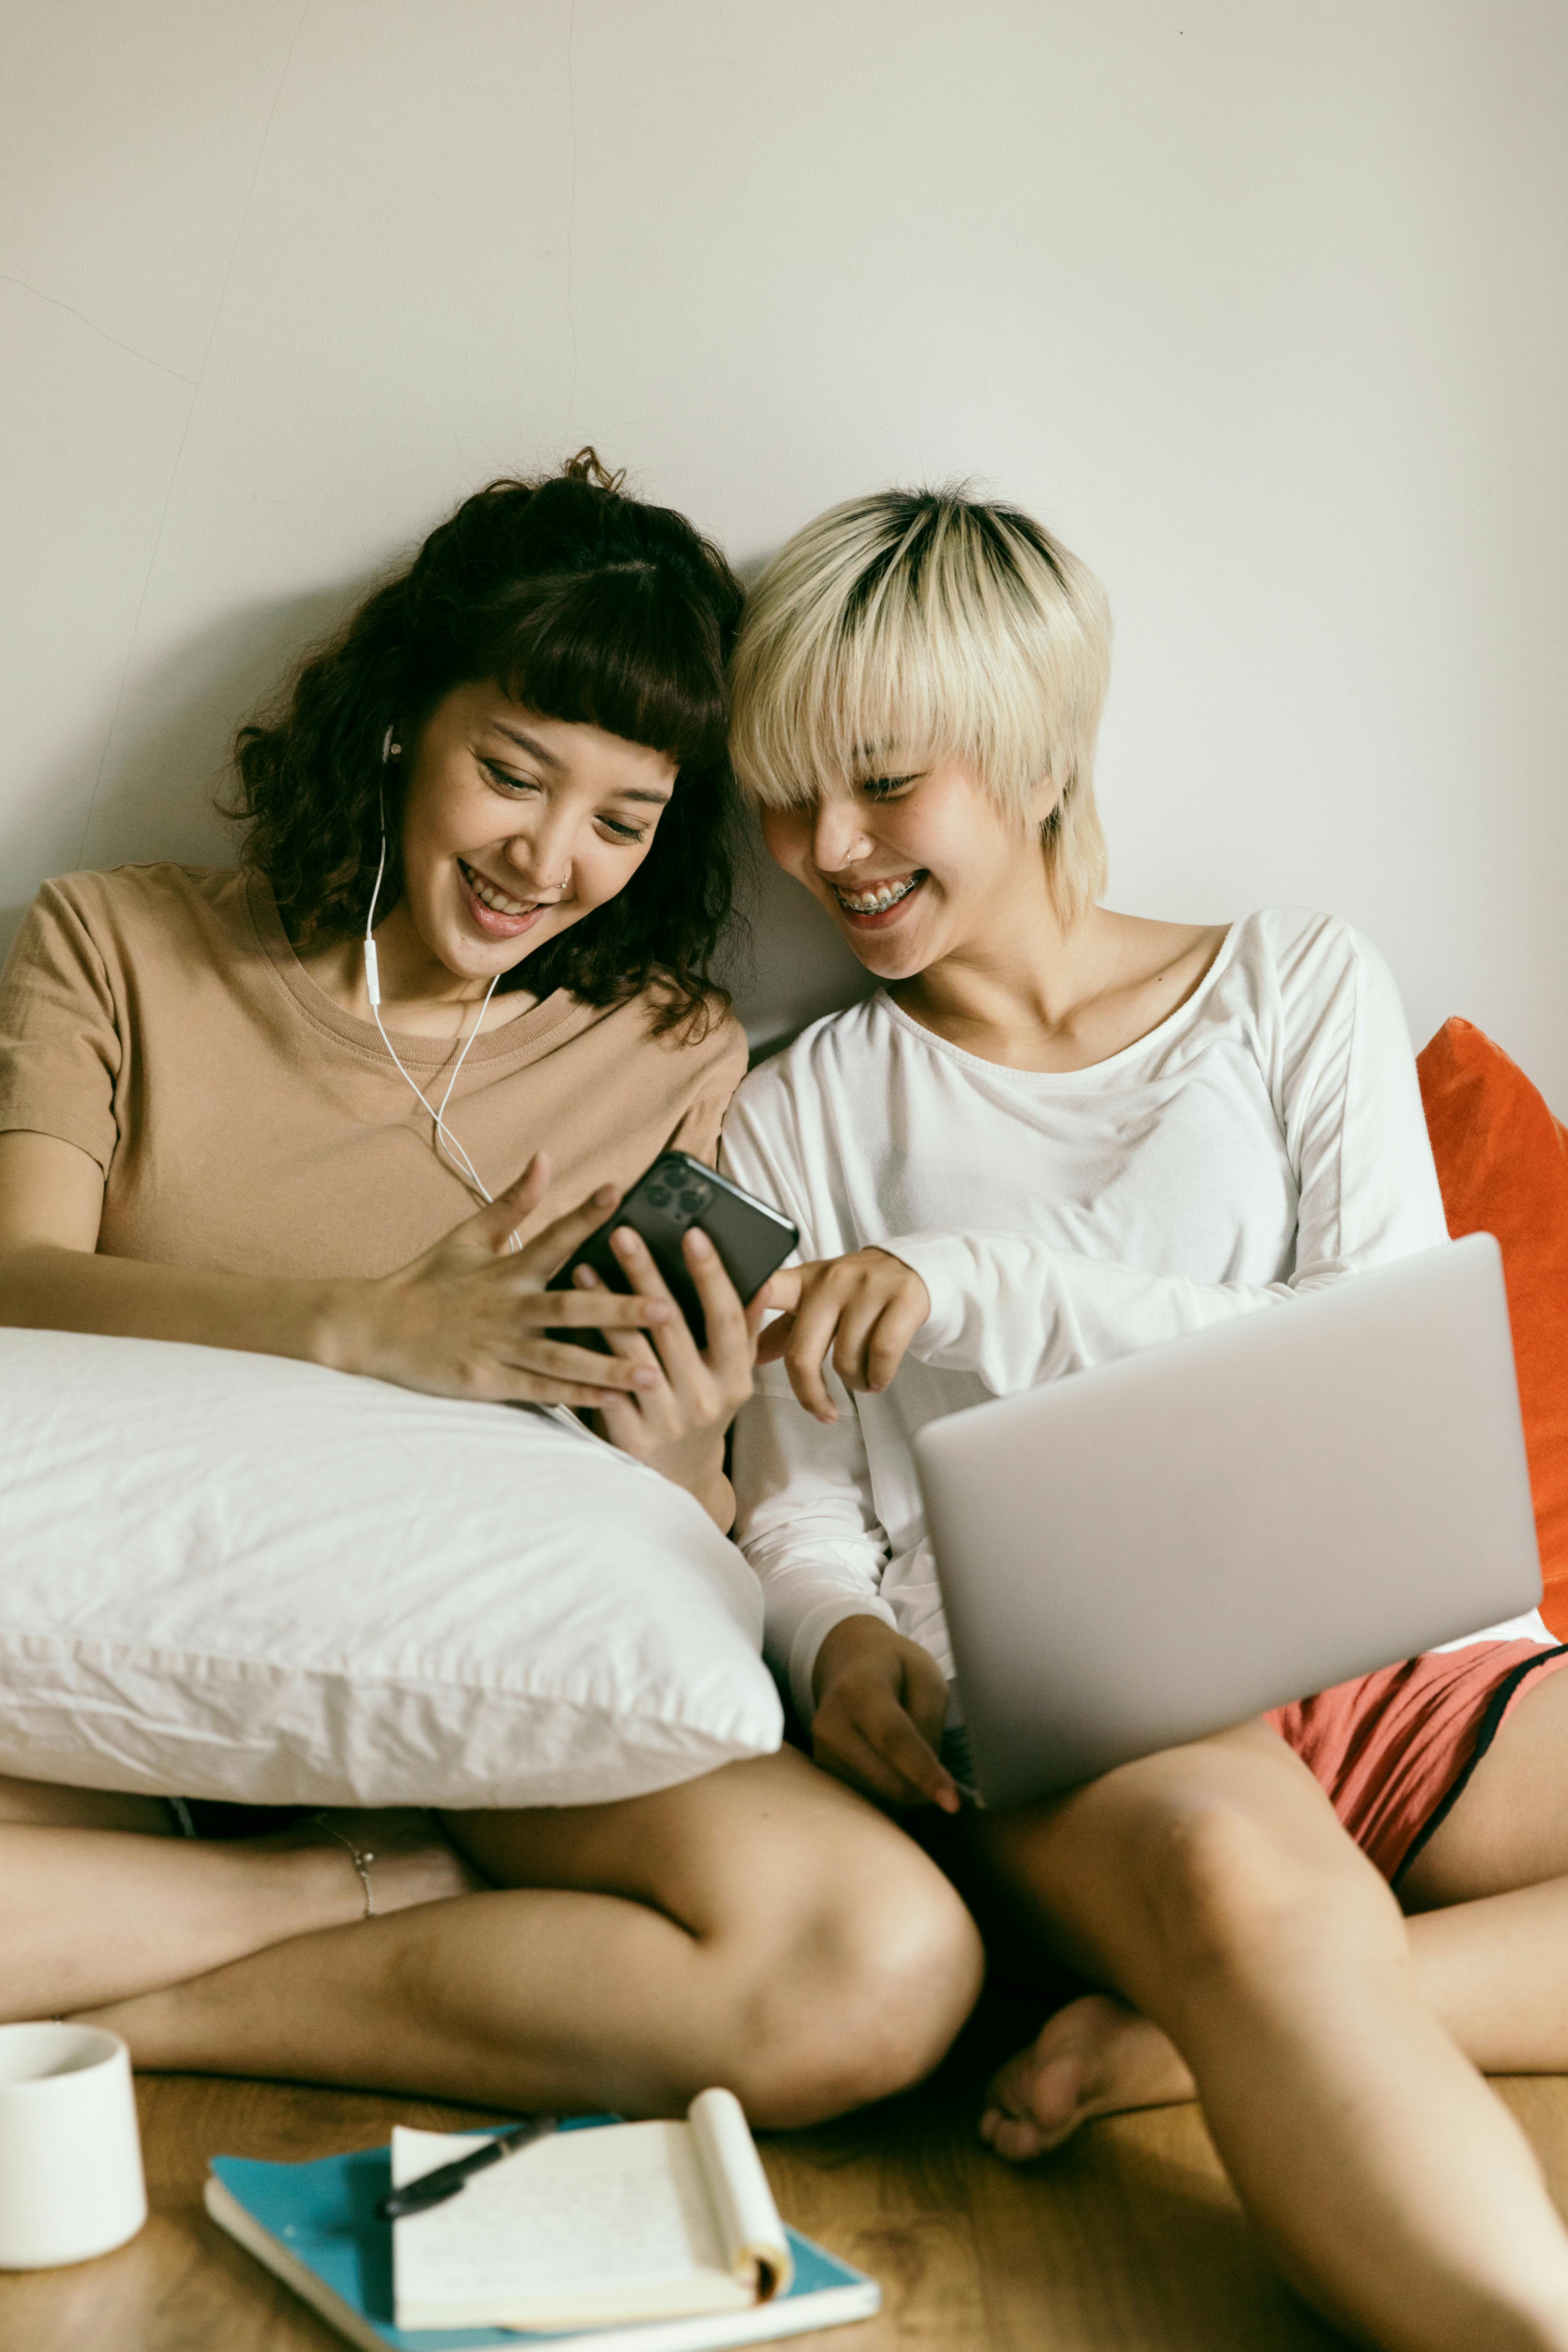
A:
(697, 1132)
(60, 1043)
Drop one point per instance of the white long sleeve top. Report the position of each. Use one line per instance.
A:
(1264, 1140)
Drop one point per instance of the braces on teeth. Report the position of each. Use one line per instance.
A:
(879, 902)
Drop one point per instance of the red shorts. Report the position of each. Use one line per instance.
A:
(1395, 1750)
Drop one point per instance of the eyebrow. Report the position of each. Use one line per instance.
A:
(530, 743)
(875, 760)
(536, 749)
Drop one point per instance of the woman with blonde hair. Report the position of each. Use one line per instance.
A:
(1052, 1135)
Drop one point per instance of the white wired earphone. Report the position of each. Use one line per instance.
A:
(445, 1139)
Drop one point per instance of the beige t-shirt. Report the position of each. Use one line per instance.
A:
(159, 1019)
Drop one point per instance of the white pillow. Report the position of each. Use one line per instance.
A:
(236, 1575)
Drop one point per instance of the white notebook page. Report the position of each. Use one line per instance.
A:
(584, 2222)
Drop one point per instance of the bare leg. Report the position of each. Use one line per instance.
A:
(1213, 1891)
(761, 1928)
(1510, 1827)
(103, 1901)
(1490, 1945)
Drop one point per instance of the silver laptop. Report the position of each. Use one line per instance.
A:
(1146, 1552)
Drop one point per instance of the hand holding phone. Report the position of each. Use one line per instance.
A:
(677, 1194)
(687, 1396)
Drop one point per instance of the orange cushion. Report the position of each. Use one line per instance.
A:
(1502, 1164)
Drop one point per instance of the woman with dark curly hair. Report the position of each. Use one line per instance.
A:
(355, 1102)
(231, 1120)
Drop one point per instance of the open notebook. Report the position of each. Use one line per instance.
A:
(651, 2221)
(316, 2226)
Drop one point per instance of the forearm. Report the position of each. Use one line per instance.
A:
(1017, 1311)
(806, 1520)
(46, 1287)
(805, 1595)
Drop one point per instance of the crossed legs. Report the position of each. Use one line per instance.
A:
(765, 1928)
(1213, 1892)
(98, 1897)
(761, 1928)
(1488, 1941)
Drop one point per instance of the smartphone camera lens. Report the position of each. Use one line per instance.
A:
(657, 1196)
(695, 1199)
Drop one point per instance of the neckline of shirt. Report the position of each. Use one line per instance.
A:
(514, 1040)
(1065, 1081)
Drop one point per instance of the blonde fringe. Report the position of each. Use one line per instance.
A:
(930, 623)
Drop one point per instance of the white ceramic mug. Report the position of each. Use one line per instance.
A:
(71, 2159)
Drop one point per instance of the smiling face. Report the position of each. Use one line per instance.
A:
(916, 863)
(514, 827)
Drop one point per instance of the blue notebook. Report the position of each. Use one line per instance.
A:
(316, 2228)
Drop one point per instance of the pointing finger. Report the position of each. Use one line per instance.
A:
(814, 1325)
(781, 1292)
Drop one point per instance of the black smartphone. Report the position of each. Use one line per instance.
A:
(675, 1193)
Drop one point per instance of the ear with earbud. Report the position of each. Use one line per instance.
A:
(390, 749)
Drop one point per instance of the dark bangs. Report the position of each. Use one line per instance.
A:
(584, 606)
(621, 650)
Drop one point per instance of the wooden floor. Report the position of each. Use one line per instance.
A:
(1130, 2238)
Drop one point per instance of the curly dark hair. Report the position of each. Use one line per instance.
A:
(582, 604)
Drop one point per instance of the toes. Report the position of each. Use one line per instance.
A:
(1015, 2140)
(1011, 2091)
(1045, 2085)
(1038, 2099)
(1095, 2057)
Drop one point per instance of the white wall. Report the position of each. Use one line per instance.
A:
(1263, 306)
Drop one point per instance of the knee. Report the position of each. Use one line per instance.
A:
(1222, 1892)
(874, 1981)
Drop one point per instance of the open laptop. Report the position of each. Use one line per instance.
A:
(1142, 1553)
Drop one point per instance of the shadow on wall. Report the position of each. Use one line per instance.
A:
(156, 799)
(795, 967)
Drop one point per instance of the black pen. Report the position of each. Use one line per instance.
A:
(435, 2188)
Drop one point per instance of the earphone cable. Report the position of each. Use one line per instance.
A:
(462, 1166)
(445, 1139)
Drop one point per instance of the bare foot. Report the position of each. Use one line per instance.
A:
(1095, 2057)
(404, 1854)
